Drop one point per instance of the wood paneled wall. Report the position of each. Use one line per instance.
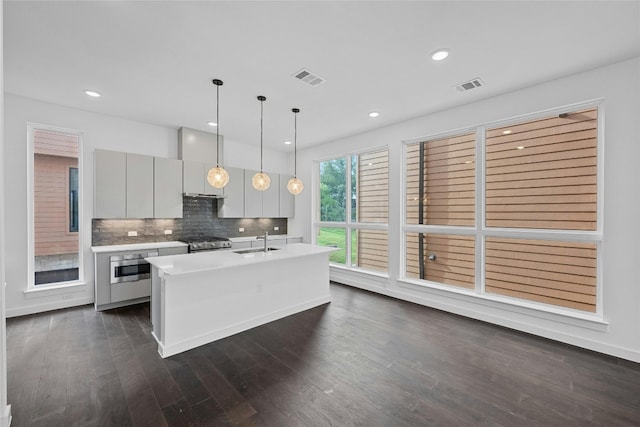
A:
(558, 273)
(542, 173)
(373, 187)
(373, 206)
(373, 249)
(55, 154)
(449, 181)
(454, 262)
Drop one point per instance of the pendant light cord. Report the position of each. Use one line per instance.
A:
(261, 102)
(295, 145)
(218, 125)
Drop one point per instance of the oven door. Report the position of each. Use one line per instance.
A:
(130, 268)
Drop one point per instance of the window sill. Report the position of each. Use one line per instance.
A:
(43, 291)
(571, 317)
(375, 273)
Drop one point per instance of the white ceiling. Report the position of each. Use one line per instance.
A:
(153, 61)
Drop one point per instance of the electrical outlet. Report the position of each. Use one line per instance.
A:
(276, 228)
(168, 231)
(241, 230)
(132, 233)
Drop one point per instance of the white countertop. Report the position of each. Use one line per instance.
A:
(212, 260)
(252, 238)
(136, 246)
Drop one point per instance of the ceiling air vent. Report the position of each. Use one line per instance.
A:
(308, 77)
(471, 84)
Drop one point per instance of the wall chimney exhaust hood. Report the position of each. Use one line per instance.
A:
(208, 196)
(198, 146)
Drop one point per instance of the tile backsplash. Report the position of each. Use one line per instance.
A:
(200, 219)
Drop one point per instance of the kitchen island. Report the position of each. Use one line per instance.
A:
(202, 297)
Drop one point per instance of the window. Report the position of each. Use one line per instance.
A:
(508, 210)
(353, 209)
(55, 206)
(73, 199)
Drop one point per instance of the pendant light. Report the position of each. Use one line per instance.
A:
(217, 177)
(261, 180)
(294, 185)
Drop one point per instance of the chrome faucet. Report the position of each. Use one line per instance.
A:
(266, 235)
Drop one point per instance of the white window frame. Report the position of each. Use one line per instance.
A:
(480, 231)
(49, 287)
(347, 225)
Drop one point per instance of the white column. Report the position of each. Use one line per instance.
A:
(5, 410)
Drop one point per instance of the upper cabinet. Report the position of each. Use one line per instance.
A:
(233, 206)
(136, 186)
(167, 188)
(194, 178)
(139, 181)
(110, 184)
(287, 200)
(261, 204)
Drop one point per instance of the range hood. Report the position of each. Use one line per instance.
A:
(208, 196)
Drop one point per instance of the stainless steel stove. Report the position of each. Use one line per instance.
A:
(211, 243)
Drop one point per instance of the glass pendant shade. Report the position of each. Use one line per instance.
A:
(261, 181)
(295, 186)
(218, 177)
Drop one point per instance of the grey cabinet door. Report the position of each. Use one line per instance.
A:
(167, 188)
(192, 173)
(110, 175)
(271, 198)
(232, 206)
(252, 197)
(287, 200)
(139, 186)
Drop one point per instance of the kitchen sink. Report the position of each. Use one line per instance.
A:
(255, 250)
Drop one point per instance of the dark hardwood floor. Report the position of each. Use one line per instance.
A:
(362, 360)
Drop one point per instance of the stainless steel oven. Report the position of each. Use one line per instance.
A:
(130, 268)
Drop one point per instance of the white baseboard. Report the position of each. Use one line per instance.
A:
(54, 305)
(170, 350)
(5, 417)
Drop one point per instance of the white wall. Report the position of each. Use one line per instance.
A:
(99, 131)
(5, 410)
(619, 85)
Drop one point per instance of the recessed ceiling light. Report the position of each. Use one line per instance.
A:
(374, 114)
(506, 132)
(520, 147)
(212, 124)
(92, 93)
(287, 142)
(440, 54)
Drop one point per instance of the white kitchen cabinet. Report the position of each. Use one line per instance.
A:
(241, 245)
(232, 206)
(287, 200)
(192, 181)
(194, 178)
(261, 204)
(167, 188)
(139, 179)
(252, 197)
(110, 174)
(271, 198)
(178, 250)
